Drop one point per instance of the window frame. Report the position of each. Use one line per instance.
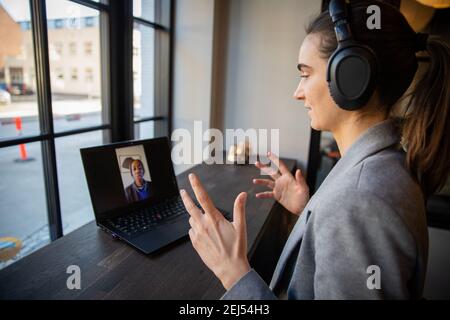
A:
(162, 68)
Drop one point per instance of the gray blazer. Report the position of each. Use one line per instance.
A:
(367, 212)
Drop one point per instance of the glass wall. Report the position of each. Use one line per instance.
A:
(55, 80)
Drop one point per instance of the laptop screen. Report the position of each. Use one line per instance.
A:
(128, 175)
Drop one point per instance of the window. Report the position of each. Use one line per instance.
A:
(74, 23)
(89, 77)
(18, 103)
(25, 137)
(59, 74)
(23, 206)
(150, 68)
(70, 47)
(58, 48)
(74, 74)
(73, 48)
(143, 68)
(89, 22)
(88, 48)
(59, 23)
(154, 11)
(76, 209)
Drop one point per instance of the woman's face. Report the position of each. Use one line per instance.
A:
(313, 87)
(137, 170)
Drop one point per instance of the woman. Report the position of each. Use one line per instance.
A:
(363, 235)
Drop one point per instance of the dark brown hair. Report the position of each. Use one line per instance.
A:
(426, 123)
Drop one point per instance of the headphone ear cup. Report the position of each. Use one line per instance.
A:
(351, 74)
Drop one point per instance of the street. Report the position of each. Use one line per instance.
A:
(23, 211)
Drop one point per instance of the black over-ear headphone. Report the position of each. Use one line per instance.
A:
(353, 68)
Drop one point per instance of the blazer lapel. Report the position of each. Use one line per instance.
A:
(294, 238)
(376, 138)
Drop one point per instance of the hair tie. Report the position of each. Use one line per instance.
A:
(421, 41)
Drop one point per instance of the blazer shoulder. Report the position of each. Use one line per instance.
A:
(379, 186)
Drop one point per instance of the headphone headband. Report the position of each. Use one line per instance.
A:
(339, 16)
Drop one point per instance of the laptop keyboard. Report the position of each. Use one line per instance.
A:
(149, 218)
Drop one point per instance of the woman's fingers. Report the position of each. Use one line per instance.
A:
(299, 177)
(280, 164)
(274, 174)
(190, 206)
(265, 195)
(239, 213)
(203, 197)
(264, 182)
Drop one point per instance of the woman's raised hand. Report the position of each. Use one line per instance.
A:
(222, 245)
(291, 192)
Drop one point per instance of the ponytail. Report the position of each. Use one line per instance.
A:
(426, 128)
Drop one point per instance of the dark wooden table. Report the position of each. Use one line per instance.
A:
(110, 269)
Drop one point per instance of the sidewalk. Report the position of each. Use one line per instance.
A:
(28, 110)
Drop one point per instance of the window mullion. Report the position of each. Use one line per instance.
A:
(40, 42)
(121, 70)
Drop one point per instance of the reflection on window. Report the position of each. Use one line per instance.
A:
(18, 106)
(76, 208)
(23, 218)
(76, 98)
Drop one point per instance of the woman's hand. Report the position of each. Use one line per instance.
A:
(222, 245)
(292, 193)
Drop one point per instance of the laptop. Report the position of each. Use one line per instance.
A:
(134, 193)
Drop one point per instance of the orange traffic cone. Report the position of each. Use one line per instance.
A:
(23, 151)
